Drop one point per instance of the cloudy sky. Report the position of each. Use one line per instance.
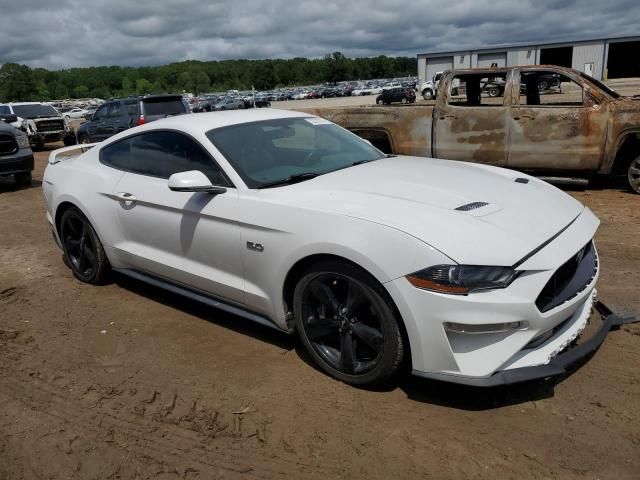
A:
(153, 32)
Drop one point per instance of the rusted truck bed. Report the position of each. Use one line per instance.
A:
(404, 129)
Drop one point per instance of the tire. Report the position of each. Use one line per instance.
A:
(84, 139)
(364, 318)
(380, 101)
(69, 140)
(633, 174)
(494, 92)
(427, 94)
(544, 85)
(22, 179)
(82, 248)
(404, 100)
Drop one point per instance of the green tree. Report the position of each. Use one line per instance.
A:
(201, 82)
(143, 86)
(17, 83)
(127, 86)
(81, 91)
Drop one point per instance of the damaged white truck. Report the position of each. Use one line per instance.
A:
(40, 121)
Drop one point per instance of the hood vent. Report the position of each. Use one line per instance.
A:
(471, 206)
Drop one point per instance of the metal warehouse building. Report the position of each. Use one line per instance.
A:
(602, 58)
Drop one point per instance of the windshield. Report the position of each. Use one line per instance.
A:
(35, 111)
(274, 150)
(600, 85)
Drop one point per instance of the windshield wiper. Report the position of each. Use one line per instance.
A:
(297, 178)
(360, 162)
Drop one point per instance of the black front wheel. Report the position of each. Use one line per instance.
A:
(347, 324)
(82, 248)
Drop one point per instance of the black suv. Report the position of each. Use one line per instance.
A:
(396, 94)
(16, 157)
(118, 115)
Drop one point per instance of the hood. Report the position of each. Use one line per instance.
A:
(474, 214)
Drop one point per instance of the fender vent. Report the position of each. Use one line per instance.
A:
(471, 206)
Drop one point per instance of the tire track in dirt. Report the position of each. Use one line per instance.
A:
(155, 435)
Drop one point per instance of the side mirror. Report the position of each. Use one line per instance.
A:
(9, 118)
(193, 181)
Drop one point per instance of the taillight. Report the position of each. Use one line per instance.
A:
(141, 120)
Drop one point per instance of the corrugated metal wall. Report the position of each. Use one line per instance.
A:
(583, 53)
(589, 53)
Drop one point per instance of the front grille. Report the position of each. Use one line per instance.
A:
(50, 126)
(570, 279)
(8, 145)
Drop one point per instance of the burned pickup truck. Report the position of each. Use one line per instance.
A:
(40, 121)
(579, 130)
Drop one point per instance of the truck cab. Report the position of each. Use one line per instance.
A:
(543, 119)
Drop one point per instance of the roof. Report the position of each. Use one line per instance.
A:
(200, 123)
(532, 44)
(26, 103)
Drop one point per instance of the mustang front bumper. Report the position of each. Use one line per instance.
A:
(524, 331)
(558, 365)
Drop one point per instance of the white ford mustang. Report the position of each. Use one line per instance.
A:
(465, 272)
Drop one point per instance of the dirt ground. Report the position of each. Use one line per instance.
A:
(125, 381)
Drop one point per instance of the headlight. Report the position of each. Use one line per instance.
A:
(462, 279)
(22, 141)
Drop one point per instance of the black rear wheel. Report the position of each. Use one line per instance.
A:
(347, 323)
(82, 248)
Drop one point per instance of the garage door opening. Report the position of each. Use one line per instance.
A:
(438, 64)
(487, 60)
(623, 60)
(560, 56)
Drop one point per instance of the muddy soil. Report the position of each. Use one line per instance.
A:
(125, 381)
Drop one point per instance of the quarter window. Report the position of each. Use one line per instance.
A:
(117, 155)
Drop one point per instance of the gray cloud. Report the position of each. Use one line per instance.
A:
(152, 32)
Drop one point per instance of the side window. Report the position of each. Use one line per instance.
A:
(132, 108)
(162, 153)
(478, 90)
(101, 113)
(4, 110)
(545, 88)
(114, 110)
(117, 155)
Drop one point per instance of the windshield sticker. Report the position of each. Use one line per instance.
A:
(317, 121)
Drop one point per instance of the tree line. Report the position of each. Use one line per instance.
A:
(22, 83)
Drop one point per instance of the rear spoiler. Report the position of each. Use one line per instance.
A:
(53, 156)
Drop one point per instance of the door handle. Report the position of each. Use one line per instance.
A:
(126, 197)
(449, 117)
(530, 117)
